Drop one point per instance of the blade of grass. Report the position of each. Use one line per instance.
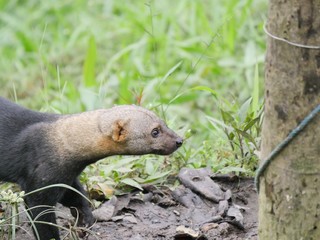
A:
(60, 185)
(171, 70)
(207, 89)
(89, 64)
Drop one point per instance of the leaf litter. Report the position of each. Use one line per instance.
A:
(204, 206)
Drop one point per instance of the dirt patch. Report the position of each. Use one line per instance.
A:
(155, 222)
(158, 213)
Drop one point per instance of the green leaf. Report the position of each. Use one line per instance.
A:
(150, 167)
(156, 176)
(247, 136)
(131, 182)
(218, 124)
(89, 64)
(207, 89)
(251, 123)
(233, 169)
(231, 136)
(123, 170)
(226, 116)
(107, 169)
(243, 111)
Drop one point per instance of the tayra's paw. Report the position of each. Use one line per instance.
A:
(83, 217)
(88, 220)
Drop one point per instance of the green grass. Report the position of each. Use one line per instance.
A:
(193, 62)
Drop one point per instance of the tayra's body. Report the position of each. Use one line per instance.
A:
(40, 149)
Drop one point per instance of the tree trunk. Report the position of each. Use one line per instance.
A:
(289, 196)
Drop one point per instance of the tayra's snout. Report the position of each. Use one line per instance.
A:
(179, 142)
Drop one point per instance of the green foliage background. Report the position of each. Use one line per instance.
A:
(195, 62)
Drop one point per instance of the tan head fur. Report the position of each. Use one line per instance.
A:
(139, 130)
(121, 130)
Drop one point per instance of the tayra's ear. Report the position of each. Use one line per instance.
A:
(120, 130)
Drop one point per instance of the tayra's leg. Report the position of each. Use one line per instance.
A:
(41, 209)
(79, 206)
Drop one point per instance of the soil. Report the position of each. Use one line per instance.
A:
(157, 214)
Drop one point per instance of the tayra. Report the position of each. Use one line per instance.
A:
(40, 149)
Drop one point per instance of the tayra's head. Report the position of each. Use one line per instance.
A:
(135, 131)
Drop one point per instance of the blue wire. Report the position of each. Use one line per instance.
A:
(283, 144)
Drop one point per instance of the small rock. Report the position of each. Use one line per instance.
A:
(187, 232)
(155, 221)
(223, 208)
(147, 197)
(214, 219)
(117, 218)
(106, 210)
(176, 212)
(137, 237)
(235, 217)
(228, 194)
(186, 197)
(241, 208)
(224, 228)
(129, 218)
(198, 180)
(208, 226)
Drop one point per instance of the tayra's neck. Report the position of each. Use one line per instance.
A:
(78, 137)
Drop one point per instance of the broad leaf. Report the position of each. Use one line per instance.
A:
(131, 182)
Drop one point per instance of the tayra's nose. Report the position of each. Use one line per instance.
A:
(179, 142)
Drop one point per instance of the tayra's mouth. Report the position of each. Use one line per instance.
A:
(161, 152)
(167, 151)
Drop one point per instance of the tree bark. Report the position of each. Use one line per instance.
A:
(289, 195)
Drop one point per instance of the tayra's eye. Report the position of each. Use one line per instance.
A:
(155, 132)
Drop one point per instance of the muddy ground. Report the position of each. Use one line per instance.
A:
(160, 214)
